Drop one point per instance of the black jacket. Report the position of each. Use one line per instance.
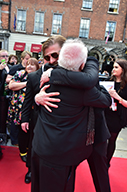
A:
(60, 136)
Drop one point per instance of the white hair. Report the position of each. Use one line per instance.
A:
(72, 54)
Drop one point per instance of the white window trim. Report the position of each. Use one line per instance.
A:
(82, 9)
(87, 9)
(61, 24)
(60, 0)
(114, 30)
(34, 23)
(89, 26)
(16, 21)
(115, 13)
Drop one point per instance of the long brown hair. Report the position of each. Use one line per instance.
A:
(122, 63)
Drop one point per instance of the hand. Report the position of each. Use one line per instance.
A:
(114, 94)
(2, 66)
(45, 77)
(44, 99)
(25, 126)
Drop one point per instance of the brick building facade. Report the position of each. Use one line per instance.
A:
(102, 25)
(4, 23)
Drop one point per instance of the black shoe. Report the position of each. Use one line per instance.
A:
(28, 177)
(24, 158)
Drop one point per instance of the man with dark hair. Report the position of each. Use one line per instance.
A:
(51, 48)
(60, 138)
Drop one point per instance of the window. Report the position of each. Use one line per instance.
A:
(57, 22)
(113, 6)
(0, 18)
(110, 30)
(21, 20)
(39, 22)
(87, 4)
(84, 28)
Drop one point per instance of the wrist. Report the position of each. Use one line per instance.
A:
(121, 100)
(49, 73)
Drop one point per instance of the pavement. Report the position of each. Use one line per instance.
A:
(121, 144)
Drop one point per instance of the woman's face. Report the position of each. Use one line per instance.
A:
(30, 67)
(13, 60)
(25, 59)
(117, 70)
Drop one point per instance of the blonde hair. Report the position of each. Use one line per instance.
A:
(24, 53)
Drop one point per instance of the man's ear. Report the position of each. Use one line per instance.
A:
(82, 66)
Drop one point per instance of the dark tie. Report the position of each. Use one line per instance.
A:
(90, 127)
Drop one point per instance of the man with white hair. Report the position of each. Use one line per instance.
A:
(73, 55)
(59, 142)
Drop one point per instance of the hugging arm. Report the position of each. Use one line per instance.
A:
(97, 98)
(83, 80)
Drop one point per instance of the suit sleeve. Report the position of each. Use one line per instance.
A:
(97, 98)
(83, 80)
(28, 102)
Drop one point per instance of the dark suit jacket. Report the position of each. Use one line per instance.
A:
(85, 80)
(3, 75)
(60, 136)
(32, 88)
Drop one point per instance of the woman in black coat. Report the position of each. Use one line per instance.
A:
(117, 118)
(4, 70)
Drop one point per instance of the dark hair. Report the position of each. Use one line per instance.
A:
(33, 61)
(122, 63)
(52, 40)
(10, 56)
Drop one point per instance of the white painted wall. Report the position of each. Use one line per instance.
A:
(23, 38)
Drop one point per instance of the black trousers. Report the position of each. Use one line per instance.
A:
(98, 167)
(47, 177)
(23, 140)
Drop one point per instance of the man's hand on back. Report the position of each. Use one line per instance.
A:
(45, 99)
(45, 77)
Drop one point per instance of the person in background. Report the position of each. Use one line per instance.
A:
(18, 85)
(41, 62)
(4, 70)
(58, 145)
(117, 119)
(13, 59)
(24, 58)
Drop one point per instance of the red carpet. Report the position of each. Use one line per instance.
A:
(12, 172)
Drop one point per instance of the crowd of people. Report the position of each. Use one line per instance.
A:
(59, 115)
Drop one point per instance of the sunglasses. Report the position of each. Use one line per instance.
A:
(4, 56)
(54, 55)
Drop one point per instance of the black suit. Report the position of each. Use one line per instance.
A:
(29, 114)
(60, 137)
(97, 160)
(3, 100)
(32, 88)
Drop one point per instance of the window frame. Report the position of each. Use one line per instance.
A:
(114, 12)
(107, 31)
(87, 28)
(87, 8)
(39, 22)
(60, 0)
(57, 20)
(23, 10)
